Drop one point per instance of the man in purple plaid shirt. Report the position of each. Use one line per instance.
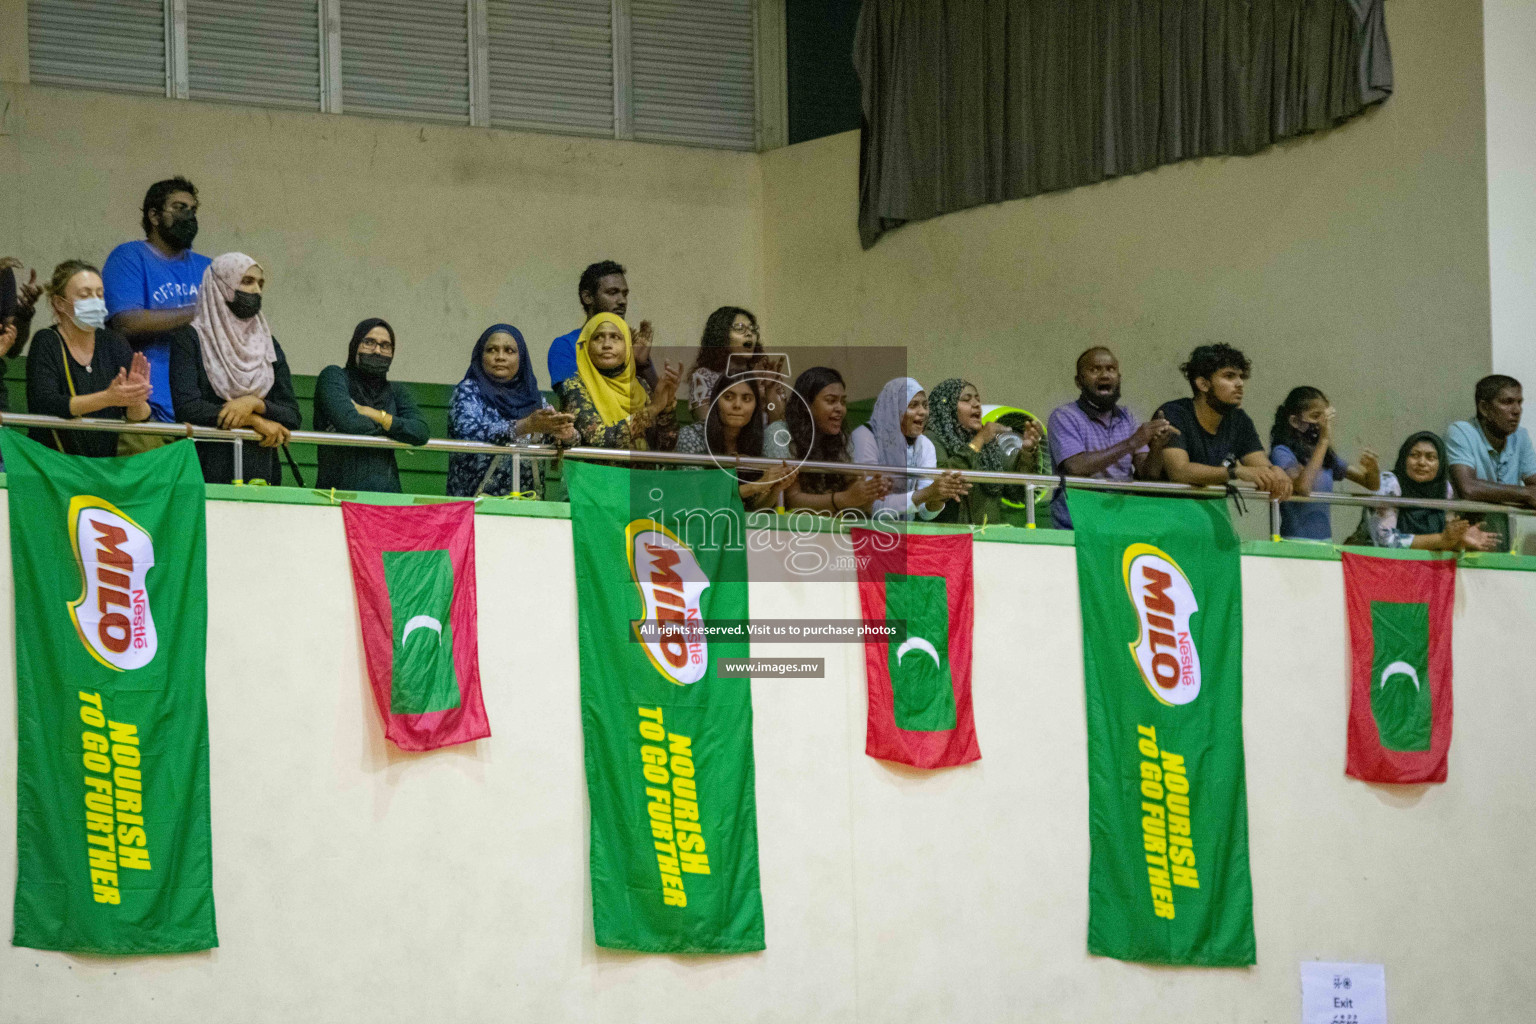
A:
(1098, 437)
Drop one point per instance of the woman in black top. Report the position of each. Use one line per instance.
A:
(359, 398)
(79, 368)
(228, 371)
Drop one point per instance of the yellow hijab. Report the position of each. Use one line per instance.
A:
(617, 396)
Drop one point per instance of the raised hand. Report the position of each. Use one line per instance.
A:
(27, 293)
(127, 391)
(7, 338)
(138, 370)
(643, 338)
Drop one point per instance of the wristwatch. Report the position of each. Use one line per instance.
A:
(1231, 465)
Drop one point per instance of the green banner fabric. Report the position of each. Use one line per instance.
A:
(109, 565)
(1161, 591)
(668, 741)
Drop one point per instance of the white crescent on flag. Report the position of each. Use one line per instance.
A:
(421, 622)
(1400, 668)
(917, 643)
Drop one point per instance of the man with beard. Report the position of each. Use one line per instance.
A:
(151, 285)
(603, 288)
(1214, 440)
(1098, 437)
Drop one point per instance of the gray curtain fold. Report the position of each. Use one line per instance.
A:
(968, 102)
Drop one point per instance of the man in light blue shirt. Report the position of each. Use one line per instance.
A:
(603, 288)
(1491, 457)
(151, 284)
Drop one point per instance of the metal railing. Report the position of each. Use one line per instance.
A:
(1032, 483)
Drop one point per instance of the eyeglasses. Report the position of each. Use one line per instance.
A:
(746, 328)
(383, 347)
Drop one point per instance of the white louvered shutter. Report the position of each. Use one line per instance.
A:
(405, 58)
(261, 51)
(551, 65)
(693, 79)
(117, 45)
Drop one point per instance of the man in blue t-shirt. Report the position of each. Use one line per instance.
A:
(1491, 457)
(151, 285)
(602, 289)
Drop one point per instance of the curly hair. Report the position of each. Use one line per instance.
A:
(1207, 360)
(593, 274)
(715, 345)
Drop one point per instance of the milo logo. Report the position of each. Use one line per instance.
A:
(112, 613)
(672, 586)
(1164, 602)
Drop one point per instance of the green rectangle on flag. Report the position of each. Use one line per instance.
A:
(922, 692)
(109, 565)
(420, 585)
(1400, 697)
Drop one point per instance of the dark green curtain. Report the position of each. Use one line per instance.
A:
(968, 102)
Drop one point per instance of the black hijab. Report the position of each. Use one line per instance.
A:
(1421, 520)
(367, 389)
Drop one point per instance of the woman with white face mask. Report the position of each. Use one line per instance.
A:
(79, 367)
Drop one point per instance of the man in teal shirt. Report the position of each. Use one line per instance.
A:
(1491, 457)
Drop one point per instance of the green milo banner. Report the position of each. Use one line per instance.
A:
(1161, 594)
(109, 567)
(668, 740)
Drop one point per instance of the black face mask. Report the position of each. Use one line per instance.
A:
(371, 364)
(245, 304)
(179, 231)
(1310, 432)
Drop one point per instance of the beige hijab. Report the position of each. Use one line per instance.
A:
(238, 355)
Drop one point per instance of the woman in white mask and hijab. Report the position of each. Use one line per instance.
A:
(894, 437)
(228, 371)
(80, 367)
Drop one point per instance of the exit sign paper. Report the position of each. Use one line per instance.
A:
(1343, 993)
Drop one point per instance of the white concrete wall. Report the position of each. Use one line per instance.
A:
(1509, 35)
(355, 883)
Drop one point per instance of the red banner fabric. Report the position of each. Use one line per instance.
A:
(413, 569)
(919, 680)
(1400, 667)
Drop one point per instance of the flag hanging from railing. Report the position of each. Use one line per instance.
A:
(413, 569)
(670, 775)
(1161, 594)
(1400, 667)
(109, 564)
(918, 682)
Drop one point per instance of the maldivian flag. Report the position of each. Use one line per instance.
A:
(1161, 593)
(668, 740)
(109, 564)
(920, 681)
(1400, 661)
(413, 568)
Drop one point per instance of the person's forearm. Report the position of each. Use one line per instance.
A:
(1198, 475)
(138, 413)
(1497, 494)
(1090, 463)
(138, 322)
(1151, 467)
(84, 405)
(1308, 475)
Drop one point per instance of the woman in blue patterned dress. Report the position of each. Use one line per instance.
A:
(499, 402)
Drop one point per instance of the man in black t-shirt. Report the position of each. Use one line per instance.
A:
(1216, 441)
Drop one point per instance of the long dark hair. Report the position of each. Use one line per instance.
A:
(750, 440)
(715, 345)
(1282, 432)
(809, 443)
